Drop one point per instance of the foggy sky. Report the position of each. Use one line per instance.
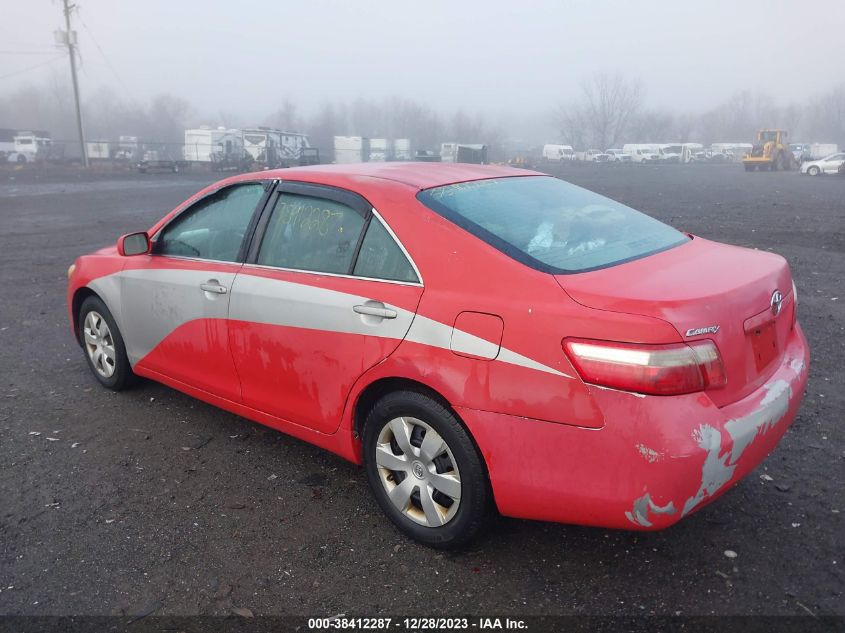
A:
(494, 57)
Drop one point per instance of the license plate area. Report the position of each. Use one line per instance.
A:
(764, 344)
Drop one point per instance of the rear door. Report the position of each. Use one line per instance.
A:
(831, 164)
(175, 301)
(326, 293)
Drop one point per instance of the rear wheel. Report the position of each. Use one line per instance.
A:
(424, 470)
(103, 345)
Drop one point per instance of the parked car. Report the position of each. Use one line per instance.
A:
(617, 155)
(475, 336)
(158, 165)
(827, 165)
(603, 157)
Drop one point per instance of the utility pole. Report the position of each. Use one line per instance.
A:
(70, 40)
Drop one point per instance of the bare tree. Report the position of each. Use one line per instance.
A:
(654, 126)
(603, 116)
(286, 117)
(825, 119)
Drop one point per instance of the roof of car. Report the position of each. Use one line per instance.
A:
(421, 175)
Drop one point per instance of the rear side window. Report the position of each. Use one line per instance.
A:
(549, 224)
(381, 258)
(214, 227)
(308, 233)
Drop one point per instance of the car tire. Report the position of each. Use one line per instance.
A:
(21, 159)
(448, 498)
(813, 170)
(102, 344)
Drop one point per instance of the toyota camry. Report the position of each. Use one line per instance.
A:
(477, 337)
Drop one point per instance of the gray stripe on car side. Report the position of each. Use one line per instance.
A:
(288, 304)
(276, 302)
(430, 332)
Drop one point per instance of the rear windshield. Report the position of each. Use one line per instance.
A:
(549, 224)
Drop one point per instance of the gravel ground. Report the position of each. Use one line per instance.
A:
(151, 502)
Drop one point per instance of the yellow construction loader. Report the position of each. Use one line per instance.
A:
(770, 152)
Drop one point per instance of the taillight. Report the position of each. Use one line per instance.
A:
(660, 370)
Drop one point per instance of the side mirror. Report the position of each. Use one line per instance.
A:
(133, 244)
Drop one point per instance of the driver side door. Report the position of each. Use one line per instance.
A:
(175, 301)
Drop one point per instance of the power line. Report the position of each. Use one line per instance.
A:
(33, 67)
(105, 57)
(27, 52)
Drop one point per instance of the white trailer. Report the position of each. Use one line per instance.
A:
(402, 149)
(351, 149)
(816, 151)
(291, 146)
(379, 150)
(205, 144)
(99, 150)
(128, 148)
(475, 153)
(262, 144)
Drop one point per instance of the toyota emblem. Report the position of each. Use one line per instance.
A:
(777, 302)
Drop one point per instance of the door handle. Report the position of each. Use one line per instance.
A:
(377, 310)
(212, 285)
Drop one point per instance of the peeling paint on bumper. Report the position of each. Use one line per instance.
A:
(612, 477)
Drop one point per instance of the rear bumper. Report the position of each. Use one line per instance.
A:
(656, 460)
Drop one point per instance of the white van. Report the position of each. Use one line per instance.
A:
(558, 152)
(642, 152)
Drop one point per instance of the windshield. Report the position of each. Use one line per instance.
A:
(549, 224)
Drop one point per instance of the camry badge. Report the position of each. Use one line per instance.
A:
(777, 302)
(696, 331)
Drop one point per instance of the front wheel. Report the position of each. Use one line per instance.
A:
(103, 345)
(424, 470)
(814, 171)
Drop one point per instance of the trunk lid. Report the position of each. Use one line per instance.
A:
(696, 287)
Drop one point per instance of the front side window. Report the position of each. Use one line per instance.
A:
(381, 258)
(214, 227)
(549, 224)
(309, 233)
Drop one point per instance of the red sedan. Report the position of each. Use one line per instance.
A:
(473, 335)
